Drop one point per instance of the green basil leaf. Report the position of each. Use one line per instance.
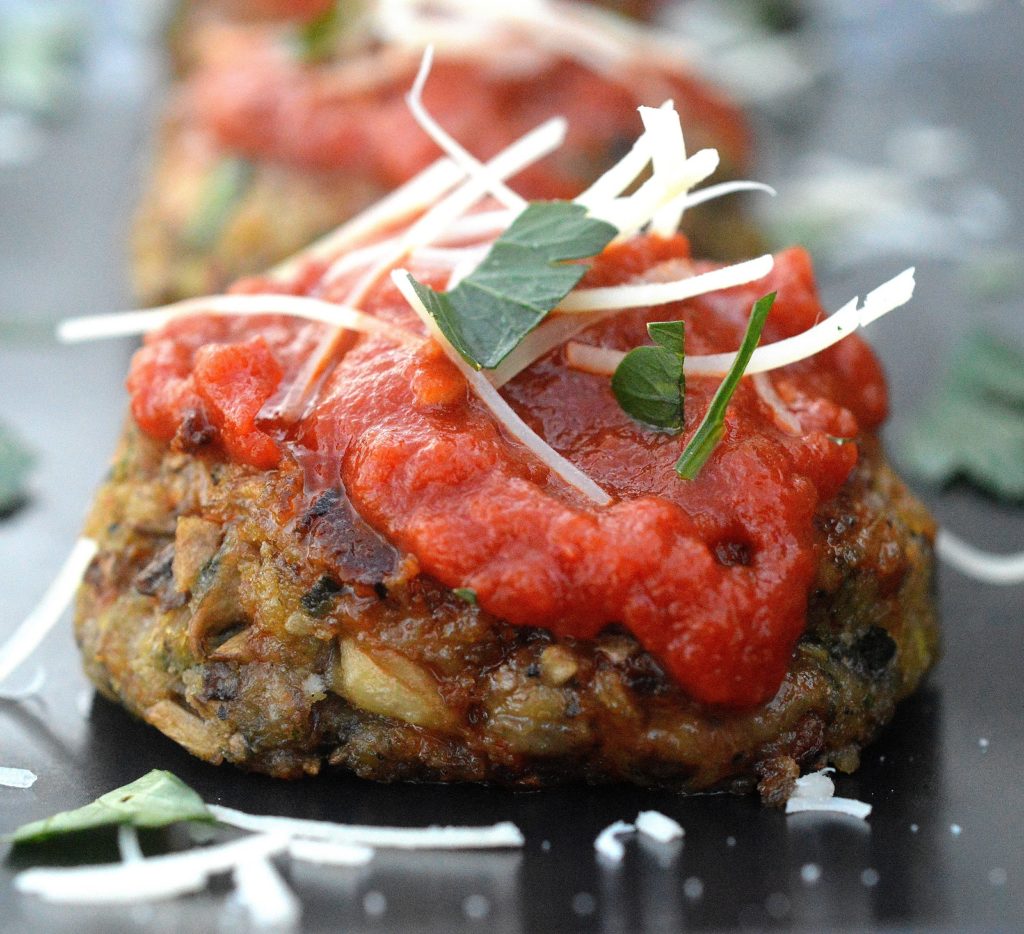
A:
(16, 462)
(668, 334)
(315, 40)
(222, 189)
(523, 277)
(155, 800)
(973, 425)
(712, 427)
(649, 382)
(467, 594)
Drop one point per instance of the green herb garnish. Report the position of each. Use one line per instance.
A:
(649, 382)
(711, 429)
(468, 594)
(316, 40)
(16, 461)
(973, 425)
(155, 800)
(523, 277)
(224, 186)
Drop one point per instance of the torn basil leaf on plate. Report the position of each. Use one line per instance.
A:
(158, 799)
(973, 424)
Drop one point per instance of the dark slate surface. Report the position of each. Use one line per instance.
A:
(942, 850)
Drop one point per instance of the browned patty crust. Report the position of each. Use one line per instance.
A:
(255, 624)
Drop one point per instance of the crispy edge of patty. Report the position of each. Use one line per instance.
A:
(255, 625)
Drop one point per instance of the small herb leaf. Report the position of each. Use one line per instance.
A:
(467, 594)
(558, 231)
(221, 192)
(155, 800)
(16, 462)
(668, 334)
(712, 427)
(973, 426)
(520, 280)
(316, 39)
(649, 382)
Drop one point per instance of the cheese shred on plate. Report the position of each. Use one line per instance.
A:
(889, 296)
(981, 565)
(502, 835)
(659, 826)
(608, 845)
(47, 614)
(653, 824)
(16, 778)
(817, 792)
(264, 895)
(149, 879)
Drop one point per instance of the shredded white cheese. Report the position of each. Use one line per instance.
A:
(478, 225)
(17, 778)
(451, 257)
(360, 258)
(503, 835)
(263, 894)
(886, 298)
(326, 853)
(659, 826)
(816, 792)
(553, 332)
(467, 266)
(621, 175)
(437, 221)
(125, 323)
(781, 413)
(632, 212)
(147, 879)
(850, 806)
(501, 410)
(440, 218)
(668, 158)
(425, 230)
(598, 40)
(34, 686)
(710, 192)
(26, 638)
(588, 358)
(645, 294)
(410, 199)
(128, 844)
(815, 785)
(981, 565)
(608, 845)
(452, 148)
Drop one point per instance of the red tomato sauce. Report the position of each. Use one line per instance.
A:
(263, 104)
(274, 9)
(711, 575)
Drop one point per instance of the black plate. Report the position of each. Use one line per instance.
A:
(942, 849)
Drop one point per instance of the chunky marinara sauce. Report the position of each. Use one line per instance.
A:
(262, 103)
(711, 575)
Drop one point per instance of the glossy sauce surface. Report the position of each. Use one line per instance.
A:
(712, 576)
